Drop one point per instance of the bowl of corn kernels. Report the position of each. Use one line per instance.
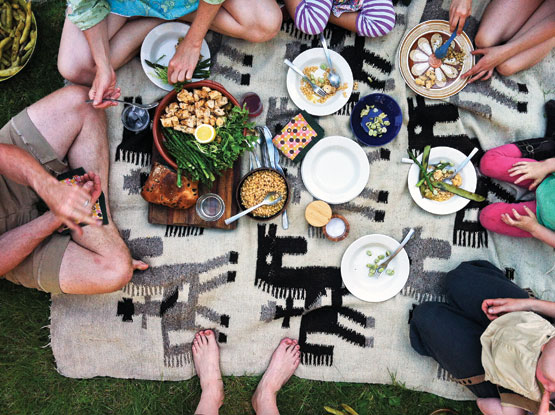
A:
(254, 187)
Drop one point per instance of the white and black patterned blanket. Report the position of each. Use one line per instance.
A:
(260, 283)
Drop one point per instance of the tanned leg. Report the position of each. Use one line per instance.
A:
(98, 261)
(75, 62)
(284, 362)
(492, 406)
(206, 357)
(254, 21)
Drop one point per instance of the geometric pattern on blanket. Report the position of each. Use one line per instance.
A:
(259, 283)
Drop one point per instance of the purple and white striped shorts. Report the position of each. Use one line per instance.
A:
(375, 18)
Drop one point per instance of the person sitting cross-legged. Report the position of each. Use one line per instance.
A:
(493, 338)
(58, 133)
(206, 357)
(100, 36)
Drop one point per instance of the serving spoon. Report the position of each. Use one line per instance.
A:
(271, 199)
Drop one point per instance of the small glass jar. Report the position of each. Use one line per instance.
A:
(210, 207)
(134, 118)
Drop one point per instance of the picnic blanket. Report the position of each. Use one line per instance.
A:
(230, 280)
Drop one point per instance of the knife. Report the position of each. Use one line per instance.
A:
(270, 147)
(284, 217)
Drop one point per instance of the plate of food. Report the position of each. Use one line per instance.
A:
(256, 185)
(376, 119)
(358, 268)
(314, 65)
(440, 163)
(201, 131)
(335, 170)
(423, 72)
(158, 49)
(22, 27)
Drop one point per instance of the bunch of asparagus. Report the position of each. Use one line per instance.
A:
(18, 35)
(426, 178)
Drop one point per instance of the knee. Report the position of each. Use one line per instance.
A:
(488, 165)
(71, 69)
(506, 69)
(490, 217)
(264, 29)
(376, 23)
(119, 272)
(484, 39)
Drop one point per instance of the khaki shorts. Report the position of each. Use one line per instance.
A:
(18, 205)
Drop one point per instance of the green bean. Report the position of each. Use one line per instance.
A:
(9, 16)
(369, 253)
(27, 24)
(390, 271)
(380, 269)
(381, 256)
(9, 72)
(387, 253)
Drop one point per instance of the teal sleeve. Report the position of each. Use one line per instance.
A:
(214, 1)
(545, 202)
(88, 13)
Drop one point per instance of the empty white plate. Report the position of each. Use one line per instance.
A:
(316, 57)
(161, 42)
(354, 269)
(454, 204)
(335, 170)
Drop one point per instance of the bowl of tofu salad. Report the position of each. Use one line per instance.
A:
(376, 119)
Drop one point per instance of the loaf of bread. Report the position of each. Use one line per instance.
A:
(161, 188)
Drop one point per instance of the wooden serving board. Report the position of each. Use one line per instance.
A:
(224, 186)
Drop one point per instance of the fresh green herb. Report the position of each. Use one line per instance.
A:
(202, 71)
(204, 162)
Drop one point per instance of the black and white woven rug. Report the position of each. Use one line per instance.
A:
(259, 283)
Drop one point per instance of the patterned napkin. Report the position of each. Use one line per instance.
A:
(296, 138)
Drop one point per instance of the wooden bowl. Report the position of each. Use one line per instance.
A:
(243, 207)
(172, 97)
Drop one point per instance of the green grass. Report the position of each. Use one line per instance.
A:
(29, 383)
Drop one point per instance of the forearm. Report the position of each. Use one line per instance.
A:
(545, 308)
(539, 33)
(545, 235)
(18, 165)
(18, 243)
(203, 20)
(97, 38)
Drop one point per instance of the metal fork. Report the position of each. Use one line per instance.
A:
(383, 265)
(143, 106)
(319, 91)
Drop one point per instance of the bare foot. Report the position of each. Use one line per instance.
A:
(284, 362)
(492, 406)
(140, 265)
(206, 356)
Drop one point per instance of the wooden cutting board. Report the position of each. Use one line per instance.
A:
(224, 186)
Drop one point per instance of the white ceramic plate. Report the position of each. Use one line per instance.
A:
(161, 41)
(335, 170)
(316, 57)
(354, 271)
(456, 203)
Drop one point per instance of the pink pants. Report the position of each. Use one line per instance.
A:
(496, 164)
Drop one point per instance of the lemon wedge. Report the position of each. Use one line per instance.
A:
(205, 133)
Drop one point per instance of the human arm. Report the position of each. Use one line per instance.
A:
(104, 83)
(495, 307)
(184, 62)
(496, 55)
(458, 13)
(529, 170)
(544, 404)
(529, 223)
(66, 202)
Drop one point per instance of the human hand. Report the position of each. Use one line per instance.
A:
(104, 86)
(530, 170)
(495, 307)
(544, 404)
(72, 204)
(492, 57)
(527, 222)
(458, 12)
(183, 64)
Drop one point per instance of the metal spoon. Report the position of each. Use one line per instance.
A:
(460, 166)
(271, 199)
(333, 77)
(143, 106)
(315, 87)
(383, 265)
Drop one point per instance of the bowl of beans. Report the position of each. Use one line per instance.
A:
(254, 187)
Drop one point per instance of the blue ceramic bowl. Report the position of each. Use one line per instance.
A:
(384, 103)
